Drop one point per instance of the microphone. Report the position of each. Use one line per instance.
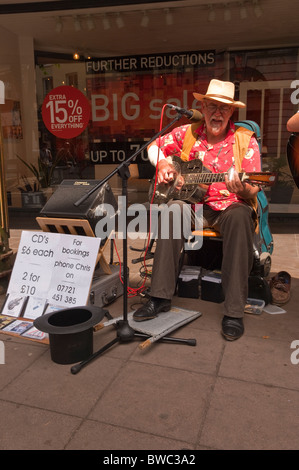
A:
(191, 114)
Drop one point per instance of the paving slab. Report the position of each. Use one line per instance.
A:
(163, 401)
(32, 428)
(250, 416)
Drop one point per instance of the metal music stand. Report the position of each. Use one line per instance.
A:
(125, 333)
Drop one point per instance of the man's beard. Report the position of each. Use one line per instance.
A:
(217, 125)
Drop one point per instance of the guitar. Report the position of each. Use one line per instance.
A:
(193, 176)
(293, 157)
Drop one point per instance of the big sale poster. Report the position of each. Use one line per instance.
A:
(123, 105)
(128, 96)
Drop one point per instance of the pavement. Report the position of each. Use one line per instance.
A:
(217, 395)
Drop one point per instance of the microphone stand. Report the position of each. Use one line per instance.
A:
(125, 332)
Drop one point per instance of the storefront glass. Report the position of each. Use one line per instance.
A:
(127, 95)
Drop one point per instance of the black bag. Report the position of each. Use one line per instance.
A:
(258, 288)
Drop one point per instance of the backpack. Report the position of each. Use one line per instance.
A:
(244, 131)
(254, 127)
(263, 238)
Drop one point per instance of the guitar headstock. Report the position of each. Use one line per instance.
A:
(262, 178)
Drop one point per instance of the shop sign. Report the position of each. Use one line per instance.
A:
(66, 112)
(150, 62)
(116, 152)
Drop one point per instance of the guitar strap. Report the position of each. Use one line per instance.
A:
(190, 139)
(240, 147)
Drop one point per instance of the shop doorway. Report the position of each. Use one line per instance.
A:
(269, 104)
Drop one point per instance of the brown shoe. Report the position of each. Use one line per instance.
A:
(280, 286)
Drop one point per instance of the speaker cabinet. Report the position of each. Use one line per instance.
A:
(61, 203)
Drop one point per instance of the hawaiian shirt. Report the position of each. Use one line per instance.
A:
(218, 158)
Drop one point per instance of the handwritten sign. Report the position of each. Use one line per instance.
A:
(51, 271)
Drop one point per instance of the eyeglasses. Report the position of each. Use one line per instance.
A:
(213, 108)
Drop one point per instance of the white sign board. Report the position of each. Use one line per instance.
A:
(51, 271)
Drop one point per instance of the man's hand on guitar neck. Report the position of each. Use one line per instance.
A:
(240, 188)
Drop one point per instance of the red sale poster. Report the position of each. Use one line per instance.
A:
(124, 106)
(66, 112)
(132, 107)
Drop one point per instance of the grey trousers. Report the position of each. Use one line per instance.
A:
(236, 226)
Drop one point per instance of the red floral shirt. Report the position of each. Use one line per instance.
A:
(217, 158)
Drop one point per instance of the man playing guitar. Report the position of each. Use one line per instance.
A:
(227, 206)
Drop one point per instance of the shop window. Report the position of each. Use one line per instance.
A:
(72, 79)
(47, 85)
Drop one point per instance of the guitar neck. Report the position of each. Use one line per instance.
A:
(206, 178)
(264, 178)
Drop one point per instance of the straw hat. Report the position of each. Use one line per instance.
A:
(221, 91)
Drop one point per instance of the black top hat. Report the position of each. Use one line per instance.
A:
(70, 320)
